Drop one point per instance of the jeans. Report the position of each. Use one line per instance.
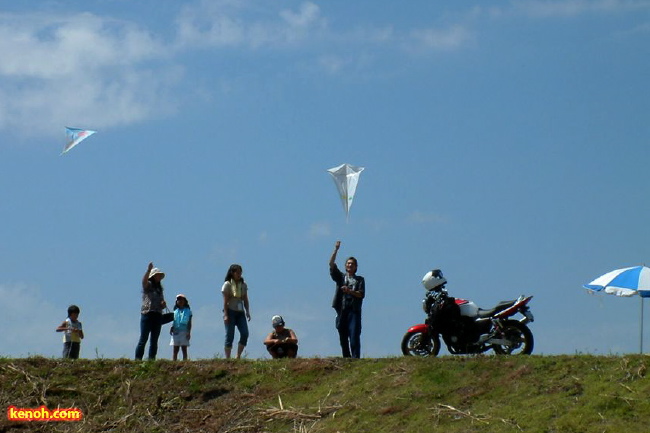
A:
(236, 319)
(348, 323)
(150, 323)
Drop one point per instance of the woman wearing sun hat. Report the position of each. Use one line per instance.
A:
(153, 303)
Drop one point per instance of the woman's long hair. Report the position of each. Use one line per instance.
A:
(231, 270)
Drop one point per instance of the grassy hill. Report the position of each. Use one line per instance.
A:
(450, 394)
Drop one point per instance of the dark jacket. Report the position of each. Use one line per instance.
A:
(343, 301)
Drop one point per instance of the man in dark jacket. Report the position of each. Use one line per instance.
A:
(348, 299)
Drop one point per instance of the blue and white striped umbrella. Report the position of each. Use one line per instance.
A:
(623, 282)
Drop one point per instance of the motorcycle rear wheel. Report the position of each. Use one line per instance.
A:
(520, 336)
(420, 344)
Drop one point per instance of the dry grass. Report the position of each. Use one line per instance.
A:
(483, 394)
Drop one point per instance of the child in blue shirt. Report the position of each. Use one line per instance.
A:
(181, 327)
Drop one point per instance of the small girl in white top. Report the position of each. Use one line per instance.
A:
(181, 327)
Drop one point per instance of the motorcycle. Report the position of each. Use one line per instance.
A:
(465, 328)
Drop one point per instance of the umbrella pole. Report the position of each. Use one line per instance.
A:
(641, 339)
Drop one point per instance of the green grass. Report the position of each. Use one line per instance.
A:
(544, 394)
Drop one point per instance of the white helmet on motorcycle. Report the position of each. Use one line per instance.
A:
(433, 280)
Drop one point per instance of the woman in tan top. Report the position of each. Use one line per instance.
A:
(236, 311)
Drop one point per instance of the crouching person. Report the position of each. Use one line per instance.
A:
(282, 342)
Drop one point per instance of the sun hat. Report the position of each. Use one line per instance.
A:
(277, 321)
(155, 271)
(180, 295)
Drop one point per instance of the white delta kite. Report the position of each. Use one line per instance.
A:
(75, 136)
(346, 178)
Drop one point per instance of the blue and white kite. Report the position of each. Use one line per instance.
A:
(75, 136)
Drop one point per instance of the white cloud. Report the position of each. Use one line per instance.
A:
(78, 70)
(54, 46)
(32, 321)
(308, 14)
(450, 38)
(544, 9)
(96, 72)
(223, 24)
(332, 63)
(376, 35)
(376, 224)
(196, 29)
(111, 334)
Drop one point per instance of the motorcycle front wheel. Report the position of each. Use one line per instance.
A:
(420, 344)
(521, 339)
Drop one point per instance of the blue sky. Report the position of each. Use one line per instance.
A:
(506, 144)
